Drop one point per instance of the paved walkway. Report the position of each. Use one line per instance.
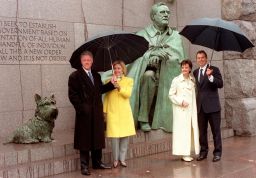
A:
(238, 161)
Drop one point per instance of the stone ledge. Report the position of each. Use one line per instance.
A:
(42, 168)
(48, 159)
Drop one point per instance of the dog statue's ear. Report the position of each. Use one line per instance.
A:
(37, 98)
(52, 96)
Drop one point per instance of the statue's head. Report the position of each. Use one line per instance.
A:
(160, 14)
(46, 108)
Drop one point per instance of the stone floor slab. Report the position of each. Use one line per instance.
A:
(238, 161)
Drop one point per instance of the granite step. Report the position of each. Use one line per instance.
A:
(48, 159)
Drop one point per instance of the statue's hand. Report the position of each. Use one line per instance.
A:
(153, 60)
(161, 53)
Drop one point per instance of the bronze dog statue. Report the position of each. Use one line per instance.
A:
(40, 127)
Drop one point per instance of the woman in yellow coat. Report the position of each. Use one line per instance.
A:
(119, 118)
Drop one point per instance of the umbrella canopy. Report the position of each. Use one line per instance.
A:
(108, 48)
(217, 34)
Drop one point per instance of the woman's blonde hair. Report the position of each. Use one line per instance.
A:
(122, 64)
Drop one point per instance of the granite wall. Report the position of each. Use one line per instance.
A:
(37, 38)
(240, 82)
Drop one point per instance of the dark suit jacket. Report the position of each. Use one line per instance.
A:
(87, 101)
(207, 92)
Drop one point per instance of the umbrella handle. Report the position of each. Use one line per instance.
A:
(211, 59)
(111, 62)
(112, 69)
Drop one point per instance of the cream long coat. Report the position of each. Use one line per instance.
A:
(118, 111)
(185, 139)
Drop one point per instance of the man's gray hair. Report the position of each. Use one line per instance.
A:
(154, 9)
(89, 53)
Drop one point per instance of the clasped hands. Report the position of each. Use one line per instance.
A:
(157, 55)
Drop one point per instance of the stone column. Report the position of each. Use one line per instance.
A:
(239, 70)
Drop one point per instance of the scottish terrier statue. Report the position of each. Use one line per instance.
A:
(40, 127)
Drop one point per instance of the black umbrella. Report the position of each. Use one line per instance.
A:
(108, 48)
(217, 34)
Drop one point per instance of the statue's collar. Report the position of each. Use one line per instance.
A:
(152, 31)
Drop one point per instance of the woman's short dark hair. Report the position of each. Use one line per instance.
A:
(186, 61)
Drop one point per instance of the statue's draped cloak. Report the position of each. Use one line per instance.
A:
(171, 42)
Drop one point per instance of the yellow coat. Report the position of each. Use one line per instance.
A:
(118, 111)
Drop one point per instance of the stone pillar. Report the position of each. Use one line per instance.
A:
(239, 70)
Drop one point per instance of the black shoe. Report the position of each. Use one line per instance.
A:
(201, 157)
(85, 171)
(216, 158)
(101, 166)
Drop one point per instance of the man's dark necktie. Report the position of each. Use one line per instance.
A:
(91, 77)
(201, 76)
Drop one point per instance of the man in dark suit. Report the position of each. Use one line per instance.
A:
(209, 79)
(84, 90)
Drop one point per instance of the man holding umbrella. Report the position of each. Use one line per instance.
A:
(219, 35)
(209, 79)
(84, 90)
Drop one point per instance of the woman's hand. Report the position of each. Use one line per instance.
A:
(117, 86)
(114, 82)
(184, 104)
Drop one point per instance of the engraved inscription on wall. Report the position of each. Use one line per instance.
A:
(35, 41)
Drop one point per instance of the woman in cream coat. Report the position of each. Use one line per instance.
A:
(185, 125)
(119, 118)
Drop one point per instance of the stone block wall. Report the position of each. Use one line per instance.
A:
(240, 82)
